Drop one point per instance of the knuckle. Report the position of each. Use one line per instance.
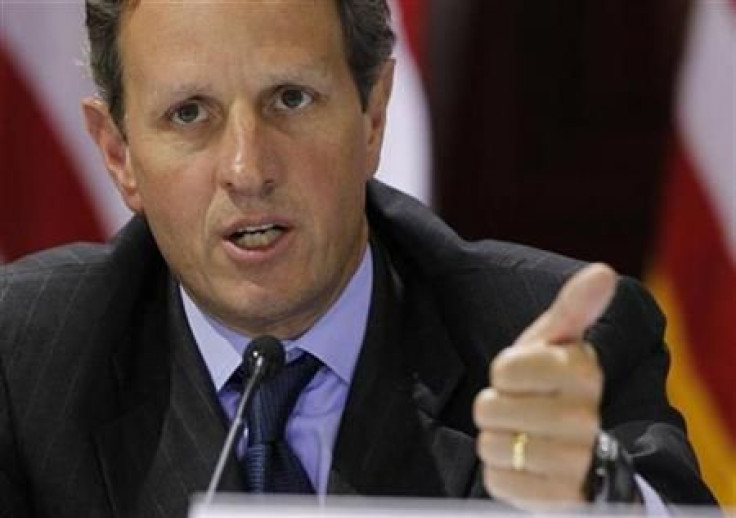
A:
(589, 426)
(483, 446)
(500, 366)
(521, 368)
(488, 480)
(483, 407)
(485, 440)
(490, 449)
(583, 422)
(580, 415)
(494, 482)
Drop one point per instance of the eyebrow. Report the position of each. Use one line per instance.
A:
(182, 90)
(299, 73)
(314, 72)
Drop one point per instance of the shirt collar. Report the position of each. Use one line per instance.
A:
(335, 339)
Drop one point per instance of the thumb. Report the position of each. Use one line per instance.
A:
(581, 301)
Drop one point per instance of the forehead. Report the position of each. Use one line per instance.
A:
(206, 30)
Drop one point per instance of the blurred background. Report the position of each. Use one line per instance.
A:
(600, 129)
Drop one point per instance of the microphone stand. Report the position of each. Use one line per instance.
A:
(263, 358)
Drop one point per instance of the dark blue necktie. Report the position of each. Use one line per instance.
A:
(269, 464)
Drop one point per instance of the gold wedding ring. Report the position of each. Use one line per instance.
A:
(518, 451)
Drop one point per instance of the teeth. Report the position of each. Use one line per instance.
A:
(262, 228)
(257, 237)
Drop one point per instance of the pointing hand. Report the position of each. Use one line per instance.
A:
(538, 421)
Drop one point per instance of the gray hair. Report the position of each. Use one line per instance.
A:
(366, 28)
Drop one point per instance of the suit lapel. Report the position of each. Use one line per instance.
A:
(165, 441)
(391, 441)
(166, 429)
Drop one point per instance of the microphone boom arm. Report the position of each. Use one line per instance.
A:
(236, 428)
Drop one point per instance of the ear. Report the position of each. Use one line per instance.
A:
(375, 115)
(114, 149)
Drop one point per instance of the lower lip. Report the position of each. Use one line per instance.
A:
(257, 255)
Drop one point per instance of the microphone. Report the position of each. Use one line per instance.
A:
(263, 358)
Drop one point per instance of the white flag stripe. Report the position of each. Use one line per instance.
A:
(707, 117)
(405, 159)
(46, 42)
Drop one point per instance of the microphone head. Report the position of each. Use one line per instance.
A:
(270, 351)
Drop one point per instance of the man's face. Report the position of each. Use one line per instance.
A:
(248, 152)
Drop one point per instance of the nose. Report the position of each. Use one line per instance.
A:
(245, 170)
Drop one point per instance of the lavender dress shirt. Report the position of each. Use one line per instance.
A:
(335, 339)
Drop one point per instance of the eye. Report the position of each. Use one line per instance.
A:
(188, 113)
(292, 99)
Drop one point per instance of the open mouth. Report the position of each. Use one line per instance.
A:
(257, 237)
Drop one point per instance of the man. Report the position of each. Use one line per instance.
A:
(244, 135)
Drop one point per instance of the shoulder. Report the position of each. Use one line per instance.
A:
(70, 283)
(52, 269)
(76, 266)
(47, 281)
(498, 288)
(419, 238)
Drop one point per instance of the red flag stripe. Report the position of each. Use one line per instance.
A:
(42, 202)
(692, 242)
(414, 19)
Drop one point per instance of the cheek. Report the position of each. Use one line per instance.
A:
(335, 181)
(166, 173)
(175, 192)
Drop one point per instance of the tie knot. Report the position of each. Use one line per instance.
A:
(274, 400)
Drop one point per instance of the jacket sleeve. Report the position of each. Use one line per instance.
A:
(635, 408)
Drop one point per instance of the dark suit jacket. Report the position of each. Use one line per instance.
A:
(106, 408)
